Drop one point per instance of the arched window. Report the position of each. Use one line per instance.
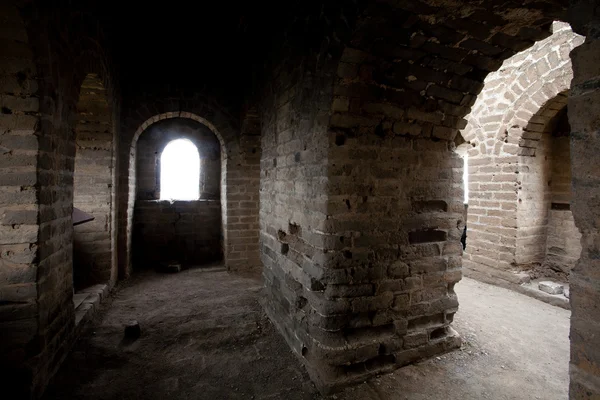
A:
(180, 171)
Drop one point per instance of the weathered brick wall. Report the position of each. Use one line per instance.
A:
(584, 102)
(48, 69)
(188, 232)
(394, 207)
(93, 185)
(504, 129)
(293, 201)
(19, 211)
(185, 231)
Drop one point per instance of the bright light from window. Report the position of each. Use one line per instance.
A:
(466, 178)
(180, 171)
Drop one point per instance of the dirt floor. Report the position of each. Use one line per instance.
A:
(204, 336)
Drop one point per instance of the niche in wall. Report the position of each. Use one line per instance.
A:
(187, 231)
(548, 242)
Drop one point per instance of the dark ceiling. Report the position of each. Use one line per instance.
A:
(190, 44)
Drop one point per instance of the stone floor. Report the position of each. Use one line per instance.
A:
(204, 336)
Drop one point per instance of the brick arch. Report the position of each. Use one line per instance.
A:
(181, 114)
(541, 122)
(514, 93)
(236, 183)
(204, 140)
(203, 217)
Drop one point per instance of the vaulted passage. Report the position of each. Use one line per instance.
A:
(354, 160)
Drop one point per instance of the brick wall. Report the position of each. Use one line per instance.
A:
(293, 201)
(585, 147)
(93, 186)
(241, 184)
(185, 231)
(39, 68)
(188, 232)
(422, 66)
(19, 211)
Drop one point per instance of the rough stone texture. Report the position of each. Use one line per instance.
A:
(93, 186)
(293, 199)
(188, 232)
(585, 147)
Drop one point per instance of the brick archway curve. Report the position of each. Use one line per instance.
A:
(518, 90)
(180, 114)
(226, 145)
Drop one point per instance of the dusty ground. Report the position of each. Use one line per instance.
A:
(204, 336)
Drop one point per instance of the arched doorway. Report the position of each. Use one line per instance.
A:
(93, 195)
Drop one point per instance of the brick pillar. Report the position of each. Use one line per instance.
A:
(584, 111)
